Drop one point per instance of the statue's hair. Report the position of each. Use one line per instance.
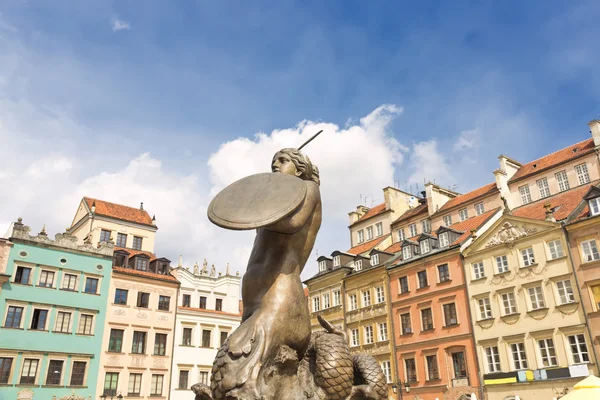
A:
(309, 171)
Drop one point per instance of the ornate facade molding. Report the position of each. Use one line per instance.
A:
(508, 234)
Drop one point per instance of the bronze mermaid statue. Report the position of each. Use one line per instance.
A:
(272, 354)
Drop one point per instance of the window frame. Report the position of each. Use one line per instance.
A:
(374, 259)
(160, 344)
(360, 236)
(369, 337)
(137, 243)
(583, 175)
(379, 294)
(562, 179)
(492, 358)
(412, 228)
(76, 374)
(478, 270)
(118, 299)
(115, 342)
(121, 243)
(406, 252)
(139, 342)
(114, 381)
(379, 229)
(543, 188)
(89, 285)
(479, 208)
(540, 301)
(55, 376)
(401, 234)
(501, 264)
(406, 324)
(594, 206)
(424, 246)
(518, 353)
(578, 356)
(352, 302)
(569, 294)
(401, 286)
(382, 331)
(19, 273)
(91, 320)
(463, 214)
(354, 338)
(444, 239)
(448, 220)
(62, 329)
(545, 353)
(555, 249)
(45, 284)
(525, 194)
(509, 303)
(366, 298)
(68, 286)
(429, 320)
(433, 368)
(6, 372)
(326, 301)
(154, 384)
(528, 257)
(449, 310)
(485, 308)
(36, 372)
(369, 233)
(592, 247)
(420, 274)
(137, 384)
(21, 313)
(446, 276)
(104, 236)
(164, 303)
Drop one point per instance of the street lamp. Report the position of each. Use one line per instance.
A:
(397, 387)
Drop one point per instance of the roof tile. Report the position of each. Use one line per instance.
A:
(119, 211)
(373, 212)
(361, 248)
(564, 204)
(421, 208)
(469, 224)
(146, 274)
(473, 194)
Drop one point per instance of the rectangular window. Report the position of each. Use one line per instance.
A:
(528, 258)
(450, 314)
(502, 264)
(565, 292)
(563, 181)
(160, 344)
(22, 275)
(590, 251)
(379, 228)
(411, 369)
(386, 367)
(219, 304)
(115, 342)
(143, 299)
(368, 334)
(224, 336)
(547, 352)
(186, 339)
(361, 236)
(479, 209)
(493, 359)
(13, 317)
(579, 349)
(401, 235)
(38, 320)
(375, 259)
(204, 378)
(337, 298)
(70, 282)
(536, 297)
(463, 214)
(406, 252)
(322, 266)
(29, 371)
(379, 294)
(164, 302)
(354, 337)
(326, 303)
(121, 296)
(543, 187)
(509, 302)
(206, 338)
(369, 232)
(121, 239)
(413, 230)
(582, 174)
(444, 239)
(459, 365)
(383, 332)
(139, 343)
(104, 236)
(358, 265)
(185, 300)
(422, 278)
(556, 249)
(406, 324)
(203, 302)
(141, 264)
(54, 375)
(91, 285)
(432, 367)
(183, 379)
(78, 373)
(316, 303)
(137, 243)
(485, 308)
(135, 385)
(46, 279)
(427, 319)
(403, 283)
(5, 366)
(426, 226)
(447, 220)
(594, 205)
(336, 261)
(353, 303)
(478, 271)
(519, 356)
(63, 322)
(424, 246)
(156, 385)
(596, 296)
(443, 272)
(525, 194)
(111, 381)
(366, 295)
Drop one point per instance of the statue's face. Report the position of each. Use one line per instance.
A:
(284, 164)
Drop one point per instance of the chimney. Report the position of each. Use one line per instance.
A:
(595, 130)
(93, 206)
(142, 206)
(549, 212)
(423, 200)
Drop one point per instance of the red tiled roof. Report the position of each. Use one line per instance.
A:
(373, 212)
(473, 194)
(395, 248)
(209, 311)
(564, 204)
(146, 274)
(361, 248)
(472, 223)
(119, 211)
(133, 253)
(412, 212)
(569, 153)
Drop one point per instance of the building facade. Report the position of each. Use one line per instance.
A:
(5, 246)
(53, 310)
(208, 311)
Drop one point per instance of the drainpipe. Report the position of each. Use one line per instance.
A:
(587, 322)
(391, 316)
(173, 347)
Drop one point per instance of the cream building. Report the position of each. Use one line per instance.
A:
(208, 310)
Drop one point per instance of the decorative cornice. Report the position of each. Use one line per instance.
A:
(509, 234)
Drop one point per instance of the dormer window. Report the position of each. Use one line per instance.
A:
(375, 259)
(406, 252)
(595, 206)
(336, 261)
(162, 269)
(358, 265)
(425, 246)
(361, 236)
(322, 265)
(426, 225)
(444, 239)
(141, 264)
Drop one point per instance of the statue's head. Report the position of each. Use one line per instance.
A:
(293, 162)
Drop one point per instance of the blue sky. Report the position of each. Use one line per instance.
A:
(181, 78)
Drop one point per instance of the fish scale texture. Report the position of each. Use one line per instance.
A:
(371, 373)
(334, 368)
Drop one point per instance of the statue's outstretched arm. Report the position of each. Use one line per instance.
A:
(296, 221)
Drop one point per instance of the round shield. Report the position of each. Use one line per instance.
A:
(256, 201)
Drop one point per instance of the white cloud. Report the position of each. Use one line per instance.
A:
(467, 140)
(119, 25)
(429, 164)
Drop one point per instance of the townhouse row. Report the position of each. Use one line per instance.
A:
(494, 292)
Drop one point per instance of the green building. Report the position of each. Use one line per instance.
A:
(52, 313)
